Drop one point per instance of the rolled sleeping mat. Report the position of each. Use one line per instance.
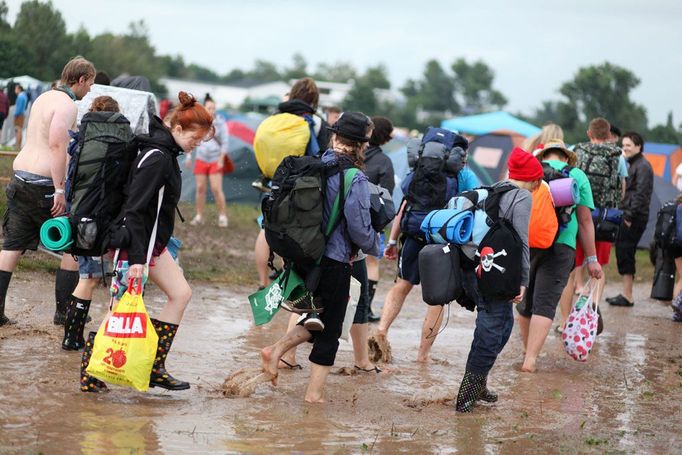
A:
(565, 192)
(56, 234)
(448, 226)
(440, 273)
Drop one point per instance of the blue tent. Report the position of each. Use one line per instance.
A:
(492, 122)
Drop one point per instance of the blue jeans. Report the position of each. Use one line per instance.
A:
(494, 323)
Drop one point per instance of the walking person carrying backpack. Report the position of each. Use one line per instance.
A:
(502, 276)
(148, 220)
(353, 232)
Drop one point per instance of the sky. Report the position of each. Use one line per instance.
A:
(533, 46)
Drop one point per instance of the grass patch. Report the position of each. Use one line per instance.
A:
(592, 441)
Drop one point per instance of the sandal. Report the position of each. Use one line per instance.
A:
(376, 369)
(291, 366)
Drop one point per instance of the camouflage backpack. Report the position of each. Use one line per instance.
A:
(600, 164)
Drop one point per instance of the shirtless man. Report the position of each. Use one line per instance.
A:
(36, 191)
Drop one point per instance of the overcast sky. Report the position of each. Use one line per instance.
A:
(533, 46)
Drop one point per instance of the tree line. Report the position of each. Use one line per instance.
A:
(38, 44)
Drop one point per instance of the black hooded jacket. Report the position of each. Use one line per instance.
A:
(640, 185)
(160, 168)
(379, 168)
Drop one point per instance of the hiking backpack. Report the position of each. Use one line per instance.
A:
(440, 157)
(600, 163)
(293, 213)
(666, 231)
(97, 175)
(499, 252)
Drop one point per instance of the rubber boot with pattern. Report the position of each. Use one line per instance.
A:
(88, 383)
(5, 278)
(371, 290)
(75, 323)
(65, 283)
(160, 377)
(487, 395)
(469, 391)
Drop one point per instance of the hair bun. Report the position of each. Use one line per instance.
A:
(187, 100)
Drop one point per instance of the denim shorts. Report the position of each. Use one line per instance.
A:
(92, 267)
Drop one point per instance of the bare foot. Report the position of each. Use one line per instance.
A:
(269, 364)
(313, 398)
(379, 348)
(423, 358)
(528, 366)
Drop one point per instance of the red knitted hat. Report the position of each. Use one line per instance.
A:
(523, 166)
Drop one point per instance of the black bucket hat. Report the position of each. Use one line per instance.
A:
(353, 126)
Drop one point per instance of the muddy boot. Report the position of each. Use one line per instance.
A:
(487, 395)
(88, 383)
(469, 391)
(160, 377)
(5, 277)
(75, 323)
(65, 284)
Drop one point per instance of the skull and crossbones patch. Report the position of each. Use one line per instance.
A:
(487, 260)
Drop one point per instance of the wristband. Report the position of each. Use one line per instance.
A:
(392, 242)
(590, 260)
(59, 191)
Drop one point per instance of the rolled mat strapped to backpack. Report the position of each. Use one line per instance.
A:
(448, 226)
(565, 192)
(606, 223)
(56, 234)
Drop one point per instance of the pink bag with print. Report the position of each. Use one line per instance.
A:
(580, 330)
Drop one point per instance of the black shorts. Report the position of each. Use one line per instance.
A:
(549, 270)
(408, 260)
(28, 207)
(626, 246)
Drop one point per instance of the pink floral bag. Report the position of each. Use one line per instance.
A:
(580, 329)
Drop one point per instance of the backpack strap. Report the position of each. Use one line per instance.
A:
(337, 208)
(150, 248)
(114, 118)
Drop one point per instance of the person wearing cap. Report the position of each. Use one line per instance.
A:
(350, 135)
(495, 318)
(550, 268)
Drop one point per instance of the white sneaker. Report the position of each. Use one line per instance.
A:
(222, 221)
(313, 323)
(198, 219)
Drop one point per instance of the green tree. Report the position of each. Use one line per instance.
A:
(264, 71)
(377, 77)
(664, 133)
(298, 68)
(474, 87)
(436, 89)
(335, 72)
(4, 9)
(41, 32)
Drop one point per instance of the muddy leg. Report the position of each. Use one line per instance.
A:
(430, 328)
(270, 355)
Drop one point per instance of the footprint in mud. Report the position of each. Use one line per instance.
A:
(426, 397)
(243, 382)
(379, 349)
(346, 371)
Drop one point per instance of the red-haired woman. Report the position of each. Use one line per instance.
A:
(157, 167)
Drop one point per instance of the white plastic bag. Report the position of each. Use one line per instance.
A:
(580, 330)
(353, 300)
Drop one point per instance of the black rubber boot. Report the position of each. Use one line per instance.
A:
(371, 290)
(160, 377)
(88, 383)
(5, 277)
(75, 323)
(64, 286)
(469, 391)
(487, 395)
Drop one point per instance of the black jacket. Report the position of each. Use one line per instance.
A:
(379, 168)
(640, 185)
(157, 170)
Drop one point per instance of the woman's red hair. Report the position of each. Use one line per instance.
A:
(191, 115)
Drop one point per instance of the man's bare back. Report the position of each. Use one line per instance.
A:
(52, 116)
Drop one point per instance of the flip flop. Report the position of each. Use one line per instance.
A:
(376, 369)
(291, 366)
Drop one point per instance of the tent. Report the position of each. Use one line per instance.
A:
(492, 122)
(495, 135)
(664, 158)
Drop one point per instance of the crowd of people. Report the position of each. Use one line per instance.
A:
(608, 179)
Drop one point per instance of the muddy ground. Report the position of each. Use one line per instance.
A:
(625, 399)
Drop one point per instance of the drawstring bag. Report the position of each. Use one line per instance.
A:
(353, 299)
(580, 330)
(266, 302)
(125, 344)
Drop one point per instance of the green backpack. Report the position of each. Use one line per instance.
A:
(600, 163)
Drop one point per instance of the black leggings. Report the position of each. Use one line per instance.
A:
(333, 289)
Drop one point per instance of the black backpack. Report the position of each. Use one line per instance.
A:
(498, 270)
(293, 213)
(97, 175)
(665, 234)
(563, 214)
(441, 274)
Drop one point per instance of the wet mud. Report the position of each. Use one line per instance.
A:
(625, 399)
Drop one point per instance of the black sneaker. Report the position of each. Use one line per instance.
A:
(620, 301)
(303, 304)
